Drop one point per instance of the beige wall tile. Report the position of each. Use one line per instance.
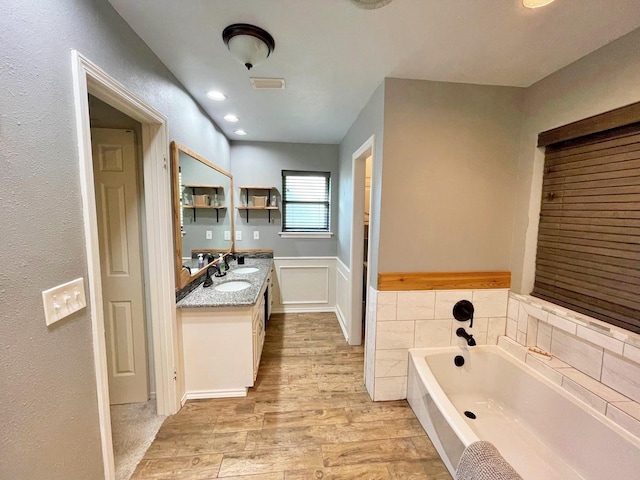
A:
(512, 308)
(632, 353)
(390, 388)
(543, 339)
(432, 333)
(496, 328)
(394, 335)
(523, 319)
(511, 347)
(562, 323)
(490, 303)
(615, 413)
(543, 367)
(592, 385)
(576, 352)
(392, 363)
(521, 337)
(535, 312)
(512, 328)
(587, 396)
(386, 306)
(416, 305)
(446, 299)
(597, 338)
(621, 375)
(532, 331)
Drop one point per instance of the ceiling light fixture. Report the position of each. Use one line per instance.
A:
(536, 3)
(251, 45)
(230, 117)
(370, 4)
(216, 95)
(240, 132)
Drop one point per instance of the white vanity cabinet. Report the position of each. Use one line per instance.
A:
(222, 346)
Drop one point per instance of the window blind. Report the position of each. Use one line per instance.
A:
(588, 256)
(306, 201)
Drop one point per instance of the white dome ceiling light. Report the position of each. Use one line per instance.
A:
(370, 4)
(536, 3)
(251, 45)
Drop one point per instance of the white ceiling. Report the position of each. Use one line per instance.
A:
(334, 55)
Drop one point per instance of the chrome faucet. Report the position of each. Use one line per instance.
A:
(461, 332)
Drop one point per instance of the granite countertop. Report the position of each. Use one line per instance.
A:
(209, 297)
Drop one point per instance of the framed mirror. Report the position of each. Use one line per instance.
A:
(202, 212)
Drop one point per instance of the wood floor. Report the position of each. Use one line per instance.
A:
(308, 417)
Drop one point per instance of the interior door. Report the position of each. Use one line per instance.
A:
(118, 212)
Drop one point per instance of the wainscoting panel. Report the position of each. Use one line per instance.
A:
(305, 284)
(343, 304)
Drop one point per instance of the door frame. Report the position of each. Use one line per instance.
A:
(88, 78)
(358, 163)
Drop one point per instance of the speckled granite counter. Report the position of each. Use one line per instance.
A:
(209, 297)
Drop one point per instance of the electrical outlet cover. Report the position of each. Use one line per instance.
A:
(227, 235)
(209, 234)
(238, 234)
(256, 234)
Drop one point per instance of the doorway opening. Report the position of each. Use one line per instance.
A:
(119, 193)
(361, 223)
(156, 201)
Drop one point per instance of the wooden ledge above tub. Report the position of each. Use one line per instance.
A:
(443, 281)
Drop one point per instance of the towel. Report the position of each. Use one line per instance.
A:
(482, 461)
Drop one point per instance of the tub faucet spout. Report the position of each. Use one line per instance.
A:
(461, 332)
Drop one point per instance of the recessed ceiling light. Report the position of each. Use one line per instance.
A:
(240, 132)
(536, 3)
(216, 95)
(231, 118)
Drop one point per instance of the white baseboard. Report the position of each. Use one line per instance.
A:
(342, 322)
(152, 396)
(322, 309)
(200, 394)
(183, 400)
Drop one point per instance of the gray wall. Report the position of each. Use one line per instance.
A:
(601, 81)
(450, 154)
(370, 121)
(48, 406)
(261, 164)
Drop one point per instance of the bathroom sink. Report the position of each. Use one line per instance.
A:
(233, 286)
(244, 270)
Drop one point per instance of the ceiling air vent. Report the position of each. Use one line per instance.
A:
(267, 83)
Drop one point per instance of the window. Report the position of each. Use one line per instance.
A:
(306, 201)
(588, 256)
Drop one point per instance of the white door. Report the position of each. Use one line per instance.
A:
(118, 212)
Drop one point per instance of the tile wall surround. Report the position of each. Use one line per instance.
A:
(400, 320)
(596, 362)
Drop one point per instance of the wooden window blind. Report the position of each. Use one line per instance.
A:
(588, 256)
(306, 201)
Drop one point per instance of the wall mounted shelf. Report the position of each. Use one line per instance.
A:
(245, 199)
(196, 187)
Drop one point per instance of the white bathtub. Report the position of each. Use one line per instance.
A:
(541, 430)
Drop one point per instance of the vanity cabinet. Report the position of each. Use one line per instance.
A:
(222, 346)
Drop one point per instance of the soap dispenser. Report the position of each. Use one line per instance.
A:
(200, 260)
(221, 263)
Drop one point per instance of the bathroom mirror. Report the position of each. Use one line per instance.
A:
(202, 211)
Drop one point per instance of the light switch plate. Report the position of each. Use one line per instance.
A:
(63, 300)
(227, 235)
(209, 234)
(256, 234)
(238, 234)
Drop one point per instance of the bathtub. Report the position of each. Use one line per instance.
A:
(541, 430)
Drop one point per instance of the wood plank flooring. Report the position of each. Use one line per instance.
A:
(308, 417)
